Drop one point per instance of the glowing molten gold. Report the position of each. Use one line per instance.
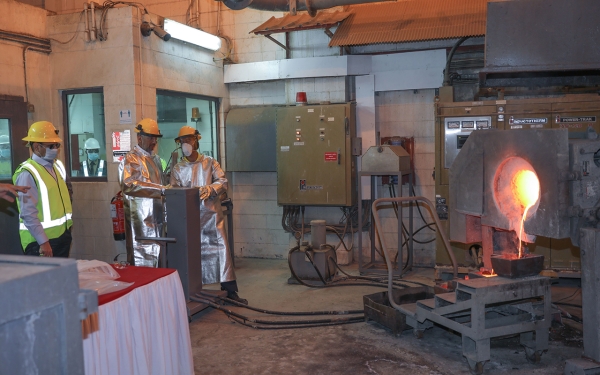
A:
(526, 188)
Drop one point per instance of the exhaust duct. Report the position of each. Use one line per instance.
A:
(292, 6)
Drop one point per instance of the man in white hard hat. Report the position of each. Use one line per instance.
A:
(204, 172)
(141, 178)
(93, 166)
(44, 210)
(5, 158)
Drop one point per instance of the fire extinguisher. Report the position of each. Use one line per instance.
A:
(117, 213)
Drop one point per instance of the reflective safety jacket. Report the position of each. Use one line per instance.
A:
(54, 204)
(100, 169)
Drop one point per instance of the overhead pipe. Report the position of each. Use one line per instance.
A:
(86, 32)
(447, 81)
(93, 27)
(297, 5)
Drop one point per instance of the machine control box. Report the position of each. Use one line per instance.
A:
(456, 132)
(316, 160)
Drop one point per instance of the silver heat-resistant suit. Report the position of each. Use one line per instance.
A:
(217, 265)
(140, 176)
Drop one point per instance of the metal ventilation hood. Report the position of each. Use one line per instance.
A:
(542, 43)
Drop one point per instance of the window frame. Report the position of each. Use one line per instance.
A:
(14, 109)
(67, 137)
(217, 102)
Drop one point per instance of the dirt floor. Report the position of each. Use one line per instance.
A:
(221, 346)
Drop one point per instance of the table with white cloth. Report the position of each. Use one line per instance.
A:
(144, 329)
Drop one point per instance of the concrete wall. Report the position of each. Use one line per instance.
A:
(129, 68)
(25, 19)
(130, 77)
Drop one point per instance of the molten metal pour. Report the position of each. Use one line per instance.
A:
(526, 189)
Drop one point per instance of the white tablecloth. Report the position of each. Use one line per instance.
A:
(143, 332)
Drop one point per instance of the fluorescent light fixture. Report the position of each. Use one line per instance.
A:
(191, 35)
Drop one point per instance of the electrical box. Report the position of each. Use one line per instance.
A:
(248, 130)
(316, 164)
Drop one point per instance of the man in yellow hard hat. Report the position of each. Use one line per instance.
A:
(141, 176)
(45, 209)
(204, 172)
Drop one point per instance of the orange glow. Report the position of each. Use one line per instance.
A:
(526, 188)
(489, 273)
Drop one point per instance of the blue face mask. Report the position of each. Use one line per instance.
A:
(5, 153)
(51, 154)
(93, 156)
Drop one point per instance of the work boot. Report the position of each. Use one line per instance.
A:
(234, 296)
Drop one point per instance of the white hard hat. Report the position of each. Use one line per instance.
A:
(92, 144)
(4, 139)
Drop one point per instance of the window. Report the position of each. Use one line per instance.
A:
(5, 154)
(175, 110)
(85, 138)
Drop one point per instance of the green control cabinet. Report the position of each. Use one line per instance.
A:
(316, 155)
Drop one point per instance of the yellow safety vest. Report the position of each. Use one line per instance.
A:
(54, 204)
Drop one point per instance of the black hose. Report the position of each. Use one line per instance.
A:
(278, 322)
(330, 284)
(378, 281)
(291, 326)
(447, 81)
(296, 313)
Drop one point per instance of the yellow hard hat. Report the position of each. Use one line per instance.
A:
(188, 130)
(148, 127)
(42, 131)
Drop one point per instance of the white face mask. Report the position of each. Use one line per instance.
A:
(187, 149)
(51, 154)
(93, 156)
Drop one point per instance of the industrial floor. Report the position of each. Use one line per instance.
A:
(221, 346)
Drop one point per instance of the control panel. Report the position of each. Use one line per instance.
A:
(315, 159)
(456, 132)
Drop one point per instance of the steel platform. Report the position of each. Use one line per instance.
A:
(483, 308)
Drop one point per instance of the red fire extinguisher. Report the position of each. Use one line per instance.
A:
(117, 212)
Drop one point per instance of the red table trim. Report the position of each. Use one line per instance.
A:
(140, 276)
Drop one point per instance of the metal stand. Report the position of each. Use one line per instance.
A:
(228, 204)
(589, 243)
(483, 308)
(372, 265)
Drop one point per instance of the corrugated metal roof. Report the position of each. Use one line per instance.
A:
(411, 21)
(300, 22)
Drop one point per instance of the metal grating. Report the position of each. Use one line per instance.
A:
(411, 21)
(298, 22)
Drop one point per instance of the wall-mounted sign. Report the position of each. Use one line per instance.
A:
(121, 145)
(125, 116)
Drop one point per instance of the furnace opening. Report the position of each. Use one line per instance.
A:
(517, 196)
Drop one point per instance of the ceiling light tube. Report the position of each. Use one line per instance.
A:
(192, 35)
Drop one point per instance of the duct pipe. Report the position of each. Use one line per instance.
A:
(86, 32)
(450, 55)
(284, 6)
(93, 26)
(25, 73)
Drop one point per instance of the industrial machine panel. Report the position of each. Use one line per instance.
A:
(577, 117)
(528, 116)
(474, 109)
(456, 132)
(577, 113)
(315, 165)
